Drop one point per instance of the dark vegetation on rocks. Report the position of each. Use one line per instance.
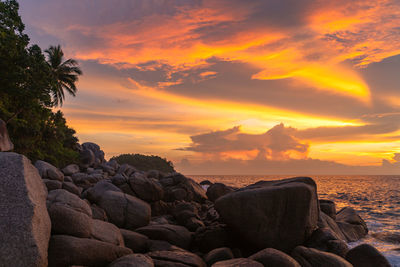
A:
(145, 163)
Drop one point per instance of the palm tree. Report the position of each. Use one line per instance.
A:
(65, 74)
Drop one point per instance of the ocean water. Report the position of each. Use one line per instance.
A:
(375, 197)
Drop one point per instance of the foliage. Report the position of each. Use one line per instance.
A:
(26, 95)
(146, 163)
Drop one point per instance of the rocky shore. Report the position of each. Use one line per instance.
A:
(100, 213)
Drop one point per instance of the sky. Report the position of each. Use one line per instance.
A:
(232, 86)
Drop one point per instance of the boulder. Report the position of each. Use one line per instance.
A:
(274, 258)
(65, 220)
(351, 224)
(98, 213)
(217, 190)
(107, 232)
(145, 188)
(366, 255)
(137, 242)
(52, 184)
(69, 214)
(179, 187)
(239, 262)
(176, 258)
(283, 213)
(95, 193)
(310, 257)
(174, 234)
(125, 211)
(160, 245)
(72, 188)
(328, 207)
(87, 158)
(66, 250)
(5, 142)
(133, 260)
(326, 221)
(211, 237)
(218, 254)
(98, 153)
(70, 169)
(326, 240)
(48, 171)
(24, 224)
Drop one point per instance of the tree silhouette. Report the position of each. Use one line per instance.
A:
(65, 74)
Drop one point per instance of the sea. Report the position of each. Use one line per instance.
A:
(375, 197)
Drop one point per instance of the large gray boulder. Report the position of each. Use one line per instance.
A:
(310, 257)
(48, 171)
(174, 234)
(278, 214)
(218, 254)
(5, 142)
(125, 211)
(66, 250)
(25, 223)
(217, 190)
(352, 225)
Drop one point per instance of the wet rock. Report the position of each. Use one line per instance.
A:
(125, 211)
(25, 223)
(283, 213)
(5, 142)
(176, 258)
(239, 262)
(217, 190)
(70, 169)
(328, 207)
(351, 224)
(326, 240)
(218, 254)
(52, 184)
(66, 250)
(48, 171)
(274, 258)
(137, 242)
(107, 232)
(310, 257)
(366, 256)
(327, 222)
(174, 234)
(133, 260)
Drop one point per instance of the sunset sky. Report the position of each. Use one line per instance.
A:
(233, 86)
